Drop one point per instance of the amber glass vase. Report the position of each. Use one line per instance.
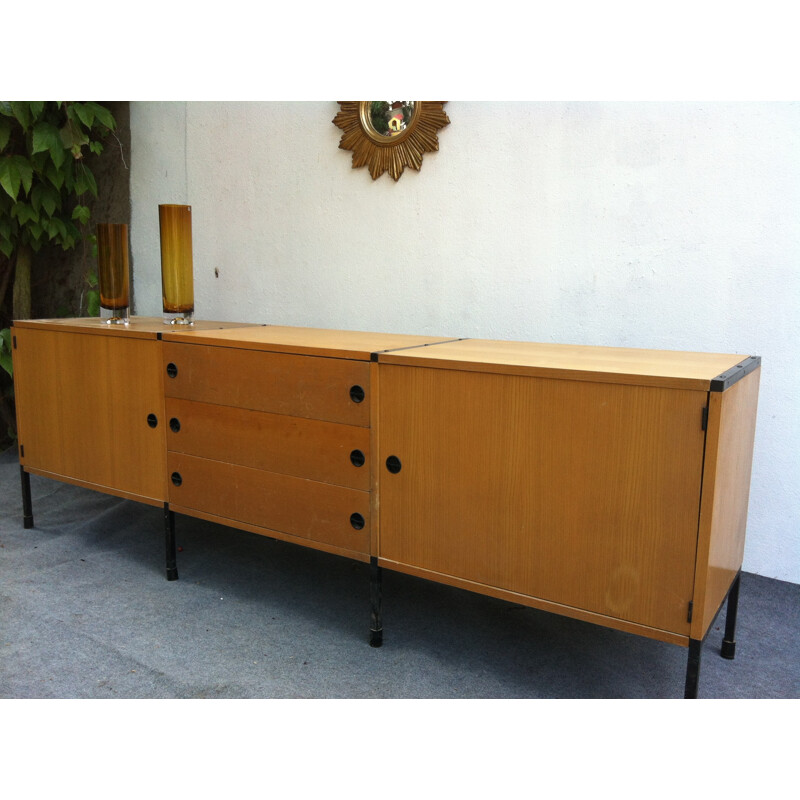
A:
(112, 273)
(177, 283)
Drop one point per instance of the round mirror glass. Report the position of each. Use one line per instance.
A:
(390, 117)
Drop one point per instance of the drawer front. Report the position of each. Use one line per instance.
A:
(332, 389)
(306, 448)
(334, 515)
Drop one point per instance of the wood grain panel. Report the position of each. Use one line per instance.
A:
(301, 386)
(83, 403)
(633, 366)
(357, 345)
(306, 448)
(138, 328)
(303, 508)
(582, 494)
(726, 492)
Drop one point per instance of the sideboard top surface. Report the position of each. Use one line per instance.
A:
(138, 328)
(666, 368)
(359, 345)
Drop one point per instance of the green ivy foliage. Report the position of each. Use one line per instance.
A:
(44, 181)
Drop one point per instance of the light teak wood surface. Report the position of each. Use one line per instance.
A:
(726, 492)
(359, 345)
(584, 494)
(665, 368)
(280, 383)
(305, 448)
(282, 503)
(82, 408)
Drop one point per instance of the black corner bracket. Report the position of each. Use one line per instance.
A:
(726, 379)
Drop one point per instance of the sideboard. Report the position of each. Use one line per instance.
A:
(606, 484)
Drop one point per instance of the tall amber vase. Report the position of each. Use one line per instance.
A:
(113, 273)
(177, 281)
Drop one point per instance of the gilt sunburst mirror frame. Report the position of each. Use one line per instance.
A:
(390, 135)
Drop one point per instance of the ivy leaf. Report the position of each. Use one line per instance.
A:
(9, 177)
(5, 351)
(36, 108)
(54, 175)
(51, 200)
(21, 112)
(84, 113)
(45, 137)
(5, 132)
(24, 212)
(25, 171)
(55, 227)
(82, 214)
(102, 115)
(91, 182)
(36, 196)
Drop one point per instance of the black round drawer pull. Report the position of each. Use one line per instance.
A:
(357, 521)
(357, 394)
(357, 458)
(172, 370)
(176, 478)
(152, 420)
(174, 425)
(393, 464)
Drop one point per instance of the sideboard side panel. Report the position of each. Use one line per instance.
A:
(726, 491)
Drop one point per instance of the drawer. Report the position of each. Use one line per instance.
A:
(333, 389)
(306, 448)
(334, 515)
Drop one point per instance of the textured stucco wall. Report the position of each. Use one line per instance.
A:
(659, 225)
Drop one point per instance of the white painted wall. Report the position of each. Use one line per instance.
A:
(658, 225)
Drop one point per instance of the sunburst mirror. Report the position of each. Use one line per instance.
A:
(390, 135)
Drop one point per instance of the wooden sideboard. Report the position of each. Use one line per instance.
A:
(606, 484)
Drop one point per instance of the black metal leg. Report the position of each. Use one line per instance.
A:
(375, 596)
(729, 642)
(169, 530)
(27, 505)
(693, 669)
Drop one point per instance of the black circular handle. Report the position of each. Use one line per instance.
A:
(174, 425)
(357, 394)
(152, 420)
(393, 464)
(172, 370)
(357, 521)
(176, 478)
(357, 458)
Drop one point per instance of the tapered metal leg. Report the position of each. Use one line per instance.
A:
(27, 505)
(375, 595)
(729, 642)
(693, 669)
(169, 531)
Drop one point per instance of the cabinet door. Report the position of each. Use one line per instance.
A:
(578, 493)
(83, 402)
